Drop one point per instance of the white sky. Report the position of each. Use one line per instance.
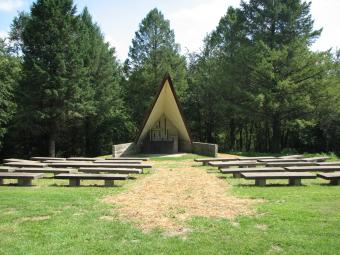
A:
(191, 19)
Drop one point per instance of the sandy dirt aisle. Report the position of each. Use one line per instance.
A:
(173, 194)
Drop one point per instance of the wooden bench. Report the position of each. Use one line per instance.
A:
(237, 171)
(293, 177)
(26, 164)
(127, 158)
(24, 179)
(74, 179)
(110, 165)
(54, 171)
(315, 159)
(287, 164)
(46, 158)
(297, 156)
(110, 170)
(256, 158)
(6, 169)
(280, 160)
(206, 161)
(8, 160)
(233, 163)
(313, 168)
(333, 177)
(82, 159)
(331, 163)
(119, 161)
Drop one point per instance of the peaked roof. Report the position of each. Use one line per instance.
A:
(166, 102)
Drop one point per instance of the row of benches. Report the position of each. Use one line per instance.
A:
(25, 179)
(265, 159)
(294, 168)
(73, 169)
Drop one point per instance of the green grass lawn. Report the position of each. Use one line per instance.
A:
(50, 219)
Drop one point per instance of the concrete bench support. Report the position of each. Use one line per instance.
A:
(335, 182)
(74, 182)
(236, 175)
(260, 182)
(295, 182)
(109, 183)
(25, 182)
(1, 181)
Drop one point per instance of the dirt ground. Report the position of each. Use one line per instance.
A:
(173, 194)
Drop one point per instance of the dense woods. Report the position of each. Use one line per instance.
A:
(255, 86)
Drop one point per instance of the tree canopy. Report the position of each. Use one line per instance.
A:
(256, 85)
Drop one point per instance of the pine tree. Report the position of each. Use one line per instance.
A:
(10, 71)
(153, 53)
(54, 88)
(109, 122)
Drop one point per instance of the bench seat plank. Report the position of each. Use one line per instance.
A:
(278, 175)
(26, 164)
(110, 165)
(315, 159)
(257, 158)
(330, 163)
(46, 158)
(110, 170)
(87, 176)
(24, 179)
(74, 179)
(119, 161)
(293, 177)
(333, 177)
(280, 160)
(82, 159)
(251, 169)
(127, 158)
(287, 164)
(297, 156)
(206, 161)
(44, 170)
(233, 163)
(313, 168)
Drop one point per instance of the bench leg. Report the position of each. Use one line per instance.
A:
(260, 182)
(74, 182)
(24, 182)
(236, 175)
(1, 181)
(335, 182)
(295, 182)
(108, 183)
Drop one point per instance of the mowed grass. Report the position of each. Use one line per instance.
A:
(50, 219)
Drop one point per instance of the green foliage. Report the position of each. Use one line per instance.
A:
(153, 53)
(10, 71)
(265, 80)
(70, 91)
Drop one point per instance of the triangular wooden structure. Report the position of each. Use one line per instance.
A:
(164, 129)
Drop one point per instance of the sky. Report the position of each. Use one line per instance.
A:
(191, 20)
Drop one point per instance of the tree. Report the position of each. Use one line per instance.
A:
(153, 53)
(10, 71)
(54, 88)
(284, 72)
(109, 121)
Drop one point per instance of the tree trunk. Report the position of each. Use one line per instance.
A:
(232, 135)
(51, 144)
(276, 141)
